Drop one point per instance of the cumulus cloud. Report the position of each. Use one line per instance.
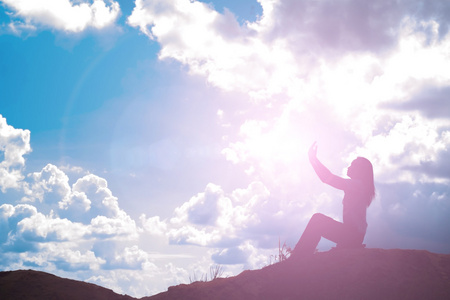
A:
(153, 225)
(10, 218)
(411, 216)
(347, 25)
(101, 198)
(345, 63)
(214, 45)
(413, 143)
(128, 258)
(88, 200)
(71, 260)
(242, 223)
(41, 228)
(14, 144)
(52, 225)
(213, 217)
(430, 101)
(50, 180)
(64, 15)
(277, 52)
(76, 230)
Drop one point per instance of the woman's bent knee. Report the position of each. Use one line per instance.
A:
(317, 217)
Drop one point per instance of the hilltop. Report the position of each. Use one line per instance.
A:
(344, 274)
(36, 285)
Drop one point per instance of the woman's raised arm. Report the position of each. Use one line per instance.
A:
(323, 173)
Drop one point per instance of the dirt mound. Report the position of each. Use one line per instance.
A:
(35, 285)
(345, 274)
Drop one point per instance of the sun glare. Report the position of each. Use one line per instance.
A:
(267, 145)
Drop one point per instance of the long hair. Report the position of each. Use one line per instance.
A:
(365, 174)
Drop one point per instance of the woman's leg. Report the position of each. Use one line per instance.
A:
(322, 226)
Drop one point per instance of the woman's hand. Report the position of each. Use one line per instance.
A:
(324, 174)
(312, 153)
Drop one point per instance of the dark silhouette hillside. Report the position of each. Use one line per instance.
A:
(35, 285)
(344, 274)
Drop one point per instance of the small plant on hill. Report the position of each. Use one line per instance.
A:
(284, 252)
(215, 271)
(193, 278)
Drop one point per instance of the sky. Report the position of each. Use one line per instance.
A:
(144, 142)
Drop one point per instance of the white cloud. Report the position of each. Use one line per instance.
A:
(243, 216)
(120, 227)
(212, 217)
(65, 15)
(47, 228)
(134, 258)
(88, 201)
(280, 51)
(61, 257)
(201, 209)
(48, 181)
(215, 45)
(61, 227)
(153, 225)
(411, 215)
(323, 77)
(10, 216)
(412, 142)
(14, 144)
(100, 196)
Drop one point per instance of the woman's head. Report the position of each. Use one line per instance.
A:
(362, 169)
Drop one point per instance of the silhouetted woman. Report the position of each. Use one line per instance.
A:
(359, 191)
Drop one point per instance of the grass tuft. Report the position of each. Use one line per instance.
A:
(215, 271)
(283, 253)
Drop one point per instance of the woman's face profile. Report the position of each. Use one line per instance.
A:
(352, 170)
(358, 168)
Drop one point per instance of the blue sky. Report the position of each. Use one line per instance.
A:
(145, 141)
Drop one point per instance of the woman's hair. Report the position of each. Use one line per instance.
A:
(365, 173)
